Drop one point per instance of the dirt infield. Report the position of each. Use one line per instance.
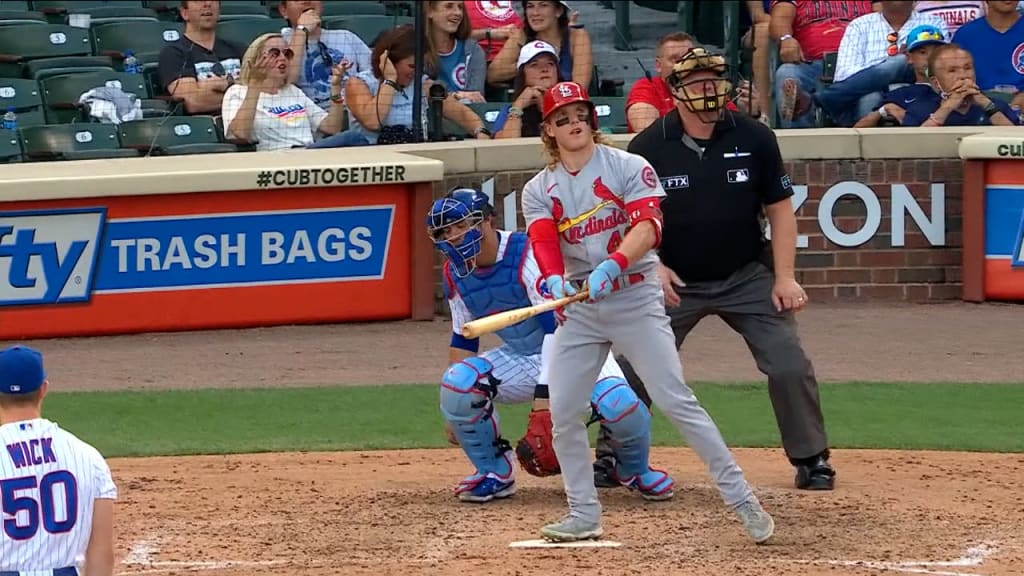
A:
(393, 512)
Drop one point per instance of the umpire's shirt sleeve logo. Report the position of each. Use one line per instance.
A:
(675, 182)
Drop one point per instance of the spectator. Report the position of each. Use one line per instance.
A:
(955, 14)
(997, 44)
(538, 72)
(806, 31)
(871, 59)
(650, 98)
(758, 40)
(550, 21)
(265, 107)
(380, 100)
(920, 44)
(199, 67)
(453, 58)
(319, 51)
(956, 99)
(492, 23)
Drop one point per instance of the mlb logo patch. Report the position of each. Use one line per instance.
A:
(786, 182)
(738, 175)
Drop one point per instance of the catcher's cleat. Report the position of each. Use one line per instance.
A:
(604, 477)
(489, 489)
(654, 485)
(572, 529)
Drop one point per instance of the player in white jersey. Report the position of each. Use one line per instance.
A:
(487, 271)
(57, 491)
(594, 221)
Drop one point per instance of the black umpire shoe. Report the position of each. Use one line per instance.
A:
(815, 474)
(603, 477)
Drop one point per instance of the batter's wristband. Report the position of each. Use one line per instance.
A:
(620, 259)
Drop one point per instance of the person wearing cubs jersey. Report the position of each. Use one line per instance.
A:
(57, 492)
(594, 221)
(487, 271)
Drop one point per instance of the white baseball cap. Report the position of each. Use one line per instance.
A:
(531, 50)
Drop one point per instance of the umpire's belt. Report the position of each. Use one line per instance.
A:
(624, 281)
(69, 571)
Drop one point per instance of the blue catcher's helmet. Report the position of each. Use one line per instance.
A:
(461, 205)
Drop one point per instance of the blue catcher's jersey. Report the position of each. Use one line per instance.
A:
(499, 288)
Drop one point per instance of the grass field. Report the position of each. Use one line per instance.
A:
(933, 416)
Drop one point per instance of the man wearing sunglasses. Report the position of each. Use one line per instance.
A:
(318, 50)
(871, 58)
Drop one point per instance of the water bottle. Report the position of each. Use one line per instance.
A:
(131, 63)
(10, 119)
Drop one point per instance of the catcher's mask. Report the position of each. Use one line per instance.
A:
(700, 81)
(460, 206)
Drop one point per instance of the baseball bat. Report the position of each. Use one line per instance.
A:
(495, 322)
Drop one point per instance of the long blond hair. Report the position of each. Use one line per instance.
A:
(551, 154)
(252, 54)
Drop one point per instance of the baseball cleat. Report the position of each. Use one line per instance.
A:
(572, 529)
(759, 524)
(489, 489)
(815, 475)
(653, 485)
(603, 475)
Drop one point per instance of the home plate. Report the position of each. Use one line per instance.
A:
(579, 544)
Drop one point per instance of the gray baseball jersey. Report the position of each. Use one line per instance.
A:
(589, 207)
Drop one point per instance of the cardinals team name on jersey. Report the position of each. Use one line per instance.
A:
(32, 452)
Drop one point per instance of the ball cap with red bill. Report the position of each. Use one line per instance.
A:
(21, 370)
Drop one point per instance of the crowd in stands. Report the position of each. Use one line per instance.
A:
(305, 81)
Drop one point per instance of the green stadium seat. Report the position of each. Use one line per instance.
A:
(22, 44)
(61, 94)
(242, 9)
(20, 5)
(174, 135)
(367, 27)
(16, 17)
(72, 142)
(42, 69)
(332, 9)
(107, 14)
(243, 31)
(145, 39)
(10, 146)
(611, 113)
(57, 11)
(398, 7)
(25, 97)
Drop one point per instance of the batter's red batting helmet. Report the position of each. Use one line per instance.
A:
(565, 93)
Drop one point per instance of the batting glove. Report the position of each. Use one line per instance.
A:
(558, 287)
(601, 279)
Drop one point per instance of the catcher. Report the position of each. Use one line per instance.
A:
(487, 271)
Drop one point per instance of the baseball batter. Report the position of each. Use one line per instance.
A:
(57, 492)
(593, 219)
(487, 271)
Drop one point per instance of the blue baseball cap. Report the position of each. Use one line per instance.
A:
(924, 35)
(21, 370)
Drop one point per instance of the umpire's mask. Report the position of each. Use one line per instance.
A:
(700, 81)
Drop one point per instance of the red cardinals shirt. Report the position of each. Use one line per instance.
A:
(819, 24)
(654, 92)
(491, 14)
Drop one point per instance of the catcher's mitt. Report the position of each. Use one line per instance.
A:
(534, 450)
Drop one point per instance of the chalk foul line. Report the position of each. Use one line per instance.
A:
(973, 557)
(140, 555)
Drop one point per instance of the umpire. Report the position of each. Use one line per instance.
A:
(721, 173)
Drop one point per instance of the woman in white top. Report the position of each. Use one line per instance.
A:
(263, 106)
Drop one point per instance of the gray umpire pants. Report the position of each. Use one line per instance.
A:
(744, 302)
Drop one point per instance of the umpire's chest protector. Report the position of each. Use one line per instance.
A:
(499, 288)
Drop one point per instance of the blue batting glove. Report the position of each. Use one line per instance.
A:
(558, 287)
(600, 280)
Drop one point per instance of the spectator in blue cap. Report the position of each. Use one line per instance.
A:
(921, 41)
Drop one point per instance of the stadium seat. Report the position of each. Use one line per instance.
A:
(174, 135)
(243, 31)
(145, 39)
(61, 94)
(107, 14)
(398, 7)
(22, 44)
(233, 10)
(10, 146)
(488, 111)
(25, 97)
(57, 11)
(16, 17)
(332, 9)
(20, 5)
(73, 142)
(41, 69)
(367, 27)
(611, 113)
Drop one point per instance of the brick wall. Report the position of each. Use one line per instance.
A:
(917, 271)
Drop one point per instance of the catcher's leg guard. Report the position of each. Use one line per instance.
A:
(617, 407)
(467, 390)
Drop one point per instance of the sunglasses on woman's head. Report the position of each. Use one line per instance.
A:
(276, 52)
